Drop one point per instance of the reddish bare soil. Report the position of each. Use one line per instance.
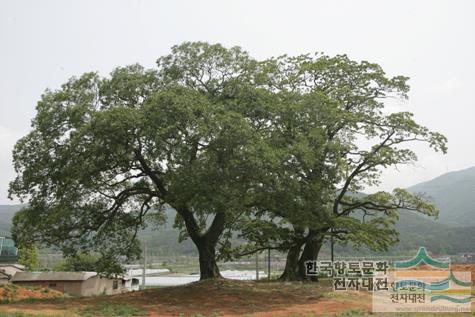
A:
(455, 268)
(10, 293)
(464, 268)
(218, 298)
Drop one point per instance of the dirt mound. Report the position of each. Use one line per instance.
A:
(12, 293)
(455, 268)
(464, 268)
(224, 298)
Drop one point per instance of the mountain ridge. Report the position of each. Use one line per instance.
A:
(451, 193)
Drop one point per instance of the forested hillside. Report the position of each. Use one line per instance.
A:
(454, 194)
(6, 214)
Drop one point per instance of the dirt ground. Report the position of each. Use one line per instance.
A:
(219, 298)
(225, 298)
(453, 267)
(464, 268)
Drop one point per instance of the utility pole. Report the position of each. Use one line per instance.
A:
(268, 264)
(257, 266)
(144, 263)
(331, 243)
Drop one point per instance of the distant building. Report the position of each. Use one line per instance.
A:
(4, 278)
(8, 251)
(8, 270)
(77, 283)
(467, 257)
(130, 283)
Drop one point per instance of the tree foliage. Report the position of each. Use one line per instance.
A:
(104, 153)
(275, 150)
(28, 256)
(85, 262)
(333, 137)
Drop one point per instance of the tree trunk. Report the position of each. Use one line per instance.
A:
(208, 267)
(310, 253)
(291, 270)
(205, 242)
(295, 268)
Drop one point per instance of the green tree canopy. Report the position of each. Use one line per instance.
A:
(332, 136)
(28, 256)
(104, 153)
(276, 150)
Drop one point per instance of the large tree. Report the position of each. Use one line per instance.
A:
(334, 137)
(105, 154)
(272, 149)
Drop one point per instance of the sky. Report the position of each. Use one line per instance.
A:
(43, 43)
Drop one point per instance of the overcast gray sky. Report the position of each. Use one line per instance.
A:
(43, 43)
